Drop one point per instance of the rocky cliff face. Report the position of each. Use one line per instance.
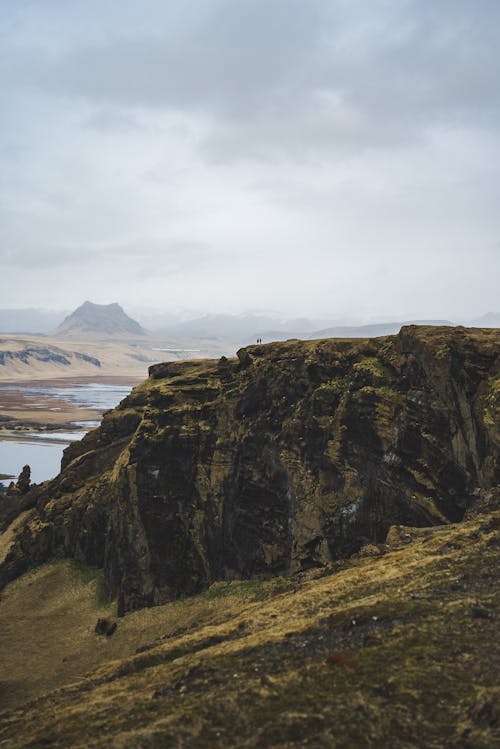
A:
(292, 455)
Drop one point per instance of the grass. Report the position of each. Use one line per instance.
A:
(386, 652)
(92, 575)
(257, 588)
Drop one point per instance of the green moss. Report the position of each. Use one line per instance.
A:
(374, 366)
(491, 402)
(95, 575)
(255, 588)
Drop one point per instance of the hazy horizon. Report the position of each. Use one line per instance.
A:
(46, 320)
(327, 159)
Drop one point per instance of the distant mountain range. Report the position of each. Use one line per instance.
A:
(372, 331)
(110, 320)
(97, 321)
(239, 327)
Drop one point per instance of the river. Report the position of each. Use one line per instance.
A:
(42, 451)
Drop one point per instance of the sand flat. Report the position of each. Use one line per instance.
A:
(23, 409)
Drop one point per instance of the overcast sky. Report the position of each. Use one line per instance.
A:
(304, 157)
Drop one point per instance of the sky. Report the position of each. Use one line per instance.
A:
(334, 158)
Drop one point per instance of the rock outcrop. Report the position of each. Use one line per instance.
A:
(286, 458)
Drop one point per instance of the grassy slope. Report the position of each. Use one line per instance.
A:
(397, 650)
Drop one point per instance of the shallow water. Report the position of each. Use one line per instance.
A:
(90, 395)
(43, 459)
(43, 451)
(56, 436)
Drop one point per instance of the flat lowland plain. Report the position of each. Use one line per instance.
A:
(394, 648)
(40, 361)
(26, 358)
(22, 410)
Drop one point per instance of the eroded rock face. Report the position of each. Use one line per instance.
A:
(290, 456)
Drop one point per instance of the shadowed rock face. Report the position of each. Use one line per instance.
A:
(292, 455)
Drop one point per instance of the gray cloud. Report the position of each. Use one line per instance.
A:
(319, 156)
(284, 74)
(109, 121)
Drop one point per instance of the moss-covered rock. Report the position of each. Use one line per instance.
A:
(288, 457)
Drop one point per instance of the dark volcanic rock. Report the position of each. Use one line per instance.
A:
(24, 480)
(105, 627)
(291, 456)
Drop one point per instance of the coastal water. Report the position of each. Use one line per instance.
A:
(43, 451)
(88, 395)
(43, 459)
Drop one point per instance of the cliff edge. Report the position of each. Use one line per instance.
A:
(291, 456)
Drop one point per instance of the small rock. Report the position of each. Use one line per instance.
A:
(162, 692)
(370, 550)
(397, 536)
(24, 480)
(335, 658)
(479, 612)
(105, 627)
(223, 364)
(244, 357)
(267, 681)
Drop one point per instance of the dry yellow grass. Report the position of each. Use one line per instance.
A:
(395, 651)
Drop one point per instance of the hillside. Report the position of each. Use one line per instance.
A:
(24, 358)
(395, 648)
(315, 524)
(97, 321)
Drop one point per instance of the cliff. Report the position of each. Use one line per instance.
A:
(291, 456)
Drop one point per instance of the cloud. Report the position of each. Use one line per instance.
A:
(283, 75)
(152, 256)
(110, 121)
(328, 155)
